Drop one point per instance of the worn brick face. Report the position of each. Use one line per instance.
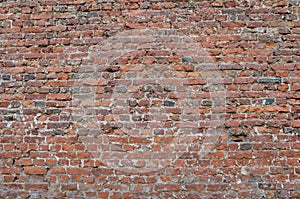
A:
(87, 91)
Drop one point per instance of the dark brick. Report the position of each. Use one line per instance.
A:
(293, 2)
(15, 104)
(187, 60)
(132, 103)
(169, 88)
(238, 137)
(254, 178)
(148, 88)
(39, 104)
(266, 186)
(7, 111)
(269, 101)
(232, 11)
(169, 103)
(59, 132)
(113, 68)
(290, 130)
(206, 102)
(231, 67)
(52, 111)
(29, 77)
(267, 80)
(246, 146)
(92, 14)
(108, 89)
(6, 77)
(57, 125)
(121, 89)
(268, 38)
(8, 118)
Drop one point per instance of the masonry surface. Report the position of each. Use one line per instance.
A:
(204, 104)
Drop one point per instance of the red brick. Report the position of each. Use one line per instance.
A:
(58, 97)
(167, 187)
(131, 68)
(32, 30)
(55, 28)
(277, 109)
(194, 82)
(103, 194)
(35, 170)
(233, 24)
(41, 16)
(78, 171)
(296, 124)
(43, 187)
(94, 82)
(217, 187)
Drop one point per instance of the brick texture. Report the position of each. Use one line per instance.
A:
(149, 99)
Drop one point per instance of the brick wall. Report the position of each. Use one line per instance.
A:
(149, 99)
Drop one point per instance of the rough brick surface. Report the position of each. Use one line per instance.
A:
(76, 108)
